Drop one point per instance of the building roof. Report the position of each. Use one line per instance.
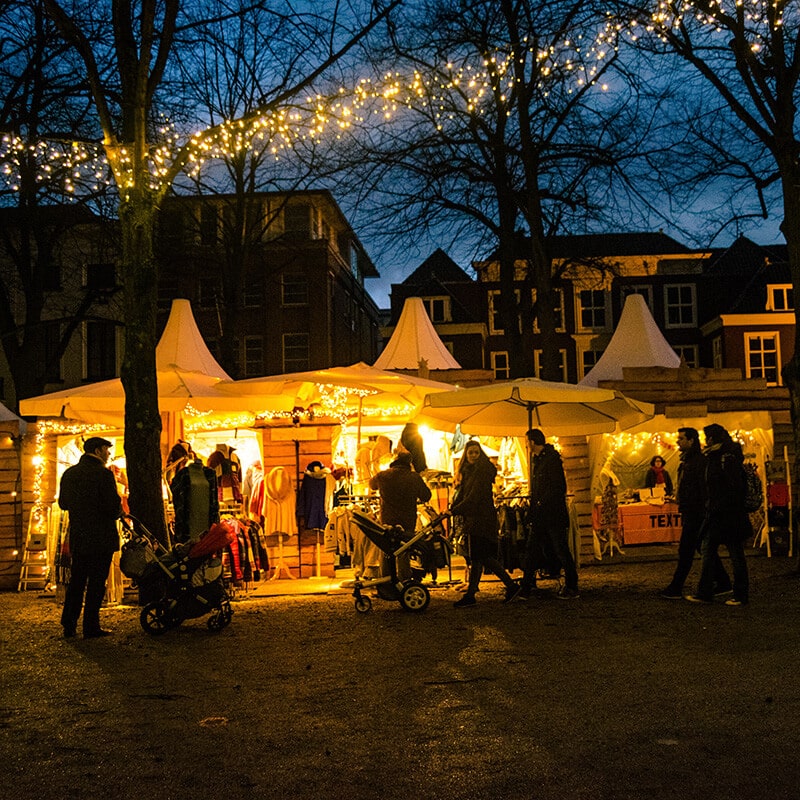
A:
(438, 267)
(603, 245)
(415, 340)
(637, 342)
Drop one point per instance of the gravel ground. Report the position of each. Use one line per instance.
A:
(619, 695)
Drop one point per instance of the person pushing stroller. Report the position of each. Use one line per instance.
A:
(400, 489)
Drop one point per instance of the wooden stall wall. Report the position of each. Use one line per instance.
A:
(294, 448)
(12, 516)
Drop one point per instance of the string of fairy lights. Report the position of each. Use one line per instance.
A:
(470, 86)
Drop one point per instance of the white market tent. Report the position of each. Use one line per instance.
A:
(415, 340)
(637, 342)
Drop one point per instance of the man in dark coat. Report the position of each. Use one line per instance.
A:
(88, 492)
(400, 488)
(549, 517)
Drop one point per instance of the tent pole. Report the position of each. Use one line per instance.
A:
(297, 495)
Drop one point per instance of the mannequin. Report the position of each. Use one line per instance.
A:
(195, 500)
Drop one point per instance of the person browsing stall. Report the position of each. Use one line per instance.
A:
(400, 488)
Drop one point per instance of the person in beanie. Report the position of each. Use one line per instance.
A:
(475, 504)
(88, 492)
(549, 517)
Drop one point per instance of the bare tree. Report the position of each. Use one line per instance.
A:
(742, 133)
(43, 98)
(500, 131)
(129, 77)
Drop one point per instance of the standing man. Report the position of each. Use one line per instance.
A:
(549, 516)
(89, 493)
(400, 488)
(692, 505)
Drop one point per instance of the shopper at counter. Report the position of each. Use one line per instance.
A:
(657, 475)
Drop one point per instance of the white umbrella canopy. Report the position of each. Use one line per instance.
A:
(344, 391)
(178, 391)
(510, 408)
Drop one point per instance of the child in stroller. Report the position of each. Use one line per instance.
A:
(391, 539)
(185, 581)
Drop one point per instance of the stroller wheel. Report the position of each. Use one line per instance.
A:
(156, 619)
(220, 619)
(363, 604)
(414, 597)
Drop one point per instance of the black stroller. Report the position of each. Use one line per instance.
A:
(410, 593)
(186, 580)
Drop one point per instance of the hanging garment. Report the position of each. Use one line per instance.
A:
(279, 502)
(315, 498)
(228, 468)
(195, 500)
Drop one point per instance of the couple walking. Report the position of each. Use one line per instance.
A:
(549, 518)
(711, 493)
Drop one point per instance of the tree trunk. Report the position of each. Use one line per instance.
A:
(138, 374)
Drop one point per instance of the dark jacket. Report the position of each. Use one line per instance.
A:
(475, 501)
(725, 487)
(692, 482)
(650, 480)
(400, 488)
(88, 492)
(549, 489)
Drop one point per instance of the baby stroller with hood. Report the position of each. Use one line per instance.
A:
(394, 542)
(185, 581)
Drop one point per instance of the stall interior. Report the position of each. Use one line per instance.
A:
(634, 476)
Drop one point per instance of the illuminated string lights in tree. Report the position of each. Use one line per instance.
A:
(460, 86)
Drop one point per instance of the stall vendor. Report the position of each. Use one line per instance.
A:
(657, 476)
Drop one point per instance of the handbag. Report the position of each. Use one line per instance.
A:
(133, 559)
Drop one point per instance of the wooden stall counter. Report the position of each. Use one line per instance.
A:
(646, 523)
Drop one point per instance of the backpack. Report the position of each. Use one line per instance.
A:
(753, 491)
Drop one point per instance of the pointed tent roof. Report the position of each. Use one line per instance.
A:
(637, 342)
(181, 345)
(414, 340)
(186, 371)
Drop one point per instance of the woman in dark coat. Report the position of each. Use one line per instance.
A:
(475, 503)
(727, 521)
(657, 475)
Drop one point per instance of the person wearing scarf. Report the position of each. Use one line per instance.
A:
(658, 476)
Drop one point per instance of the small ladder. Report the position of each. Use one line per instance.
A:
(35, 568)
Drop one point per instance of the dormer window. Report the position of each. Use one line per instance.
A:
(780, 297)
(438, 308)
